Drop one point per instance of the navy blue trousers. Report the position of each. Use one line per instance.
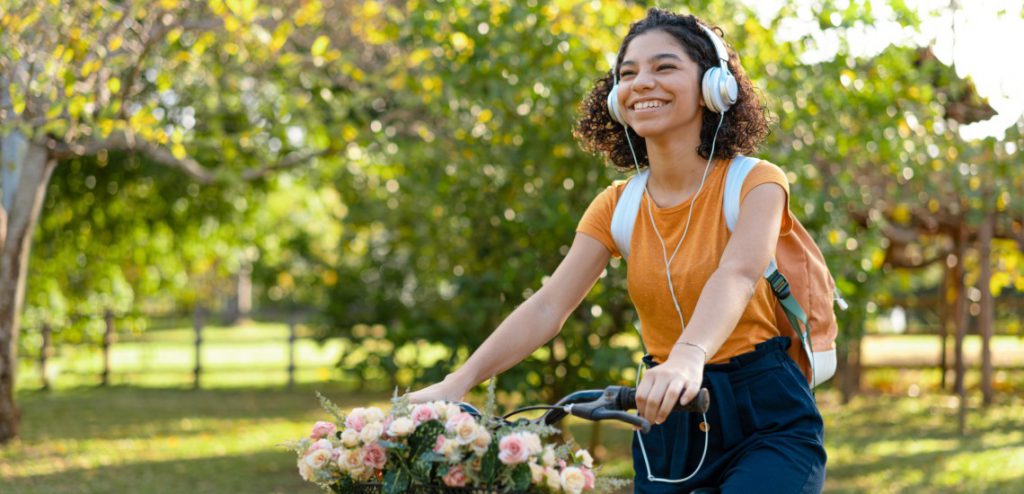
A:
(765, 432)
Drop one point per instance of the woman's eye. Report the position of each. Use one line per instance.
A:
(665, 67)
(624, 74)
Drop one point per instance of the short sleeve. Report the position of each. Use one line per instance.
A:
(764, 173)
(597, 220)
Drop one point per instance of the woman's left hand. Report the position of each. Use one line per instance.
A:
(676, 381)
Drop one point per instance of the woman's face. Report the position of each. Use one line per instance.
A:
(659, 86)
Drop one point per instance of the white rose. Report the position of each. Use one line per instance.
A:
(318, 458)
(466, 432)
(532, 443)
(482, 441)
(452, 410)
(553, 480)
(351, 462)
(536, 472)
(350, 438)
(371, 432)
(401, 427)
(573, 480)
(305, 470)
(583, 456)
(548, 459)
(374, 414)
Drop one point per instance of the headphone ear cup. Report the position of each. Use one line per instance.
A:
(719, 89)
(613, 105)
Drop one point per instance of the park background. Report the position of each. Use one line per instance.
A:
(212, 209)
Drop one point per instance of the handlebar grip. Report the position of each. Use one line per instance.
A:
(699, 404)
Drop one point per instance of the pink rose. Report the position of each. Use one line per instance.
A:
(320, 444)
(439, 444)
(512, 450)
(321, 430)
(456, 420)
(374, 456)
(588, 474)
(456, 477)
(355, 421)
(423, 413)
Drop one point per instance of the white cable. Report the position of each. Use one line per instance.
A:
(643, 450)
(668, 261)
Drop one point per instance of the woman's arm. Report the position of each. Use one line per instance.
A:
(530, 325)
(721, 303)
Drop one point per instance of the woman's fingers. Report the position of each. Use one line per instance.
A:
(672, 393)
(655, 398)
(689, 393)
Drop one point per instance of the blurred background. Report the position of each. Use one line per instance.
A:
(213, 208)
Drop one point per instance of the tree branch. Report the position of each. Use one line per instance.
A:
(121, 141)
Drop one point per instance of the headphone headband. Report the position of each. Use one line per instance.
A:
(718, 85)
(720, 51)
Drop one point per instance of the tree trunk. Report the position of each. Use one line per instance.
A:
(963, 314)
(987, 315)
(947, 313)
(26, 169)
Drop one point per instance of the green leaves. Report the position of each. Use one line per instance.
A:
(397, 481)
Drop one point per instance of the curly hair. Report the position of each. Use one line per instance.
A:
(743, 129)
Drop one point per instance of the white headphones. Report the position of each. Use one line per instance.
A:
(718, 85)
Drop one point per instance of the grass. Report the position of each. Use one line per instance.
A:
(162, 441)
(125, 439)
(155, 436)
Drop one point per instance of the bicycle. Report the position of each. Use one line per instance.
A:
(611, 403)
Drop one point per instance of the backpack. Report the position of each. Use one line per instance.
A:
(798, 275)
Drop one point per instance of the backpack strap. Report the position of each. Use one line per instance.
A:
(738, 171)
(626, 210)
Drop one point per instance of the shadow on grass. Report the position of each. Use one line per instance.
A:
(129, 412)
(263, 472)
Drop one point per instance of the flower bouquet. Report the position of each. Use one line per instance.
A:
(438, 447)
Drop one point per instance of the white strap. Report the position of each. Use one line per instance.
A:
(626, 210)
(738, 171)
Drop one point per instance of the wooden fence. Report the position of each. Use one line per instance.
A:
(200, 343)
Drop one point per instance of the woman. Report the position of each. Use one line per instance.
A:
(707, 314)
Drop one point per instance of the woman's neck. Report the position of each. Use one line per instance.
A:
(676, 169)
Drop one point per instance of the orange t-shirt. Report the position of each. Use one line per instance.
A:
(693, 265)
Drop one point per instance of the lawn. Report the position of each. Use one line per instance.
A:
(147, 433)
(127, 439)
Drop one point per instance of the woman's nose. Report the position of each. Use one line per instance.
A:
(643, 80)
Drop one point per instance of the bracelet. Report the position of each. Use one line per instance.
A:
(702, 349)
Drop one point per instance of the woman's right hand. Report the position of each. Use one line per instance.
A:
(451, 389)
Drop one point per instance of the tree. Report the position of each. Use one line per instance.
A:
(169, 80)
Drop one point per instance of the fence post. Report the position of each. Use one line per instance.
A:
(197, 324)
(291, 353)
(45, 354)
(108, 340)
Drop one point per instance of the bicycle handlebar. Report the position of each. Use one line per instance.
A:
(610, 403)
(613, 403)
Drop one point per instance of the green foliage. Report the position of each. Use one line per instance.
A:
(396, 481)
(452, 184)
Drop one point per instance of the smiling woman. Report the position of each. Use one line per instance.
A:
(679, 99)
(744, 127)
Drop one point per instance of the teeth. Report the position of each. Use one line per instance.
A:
(643, 105)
